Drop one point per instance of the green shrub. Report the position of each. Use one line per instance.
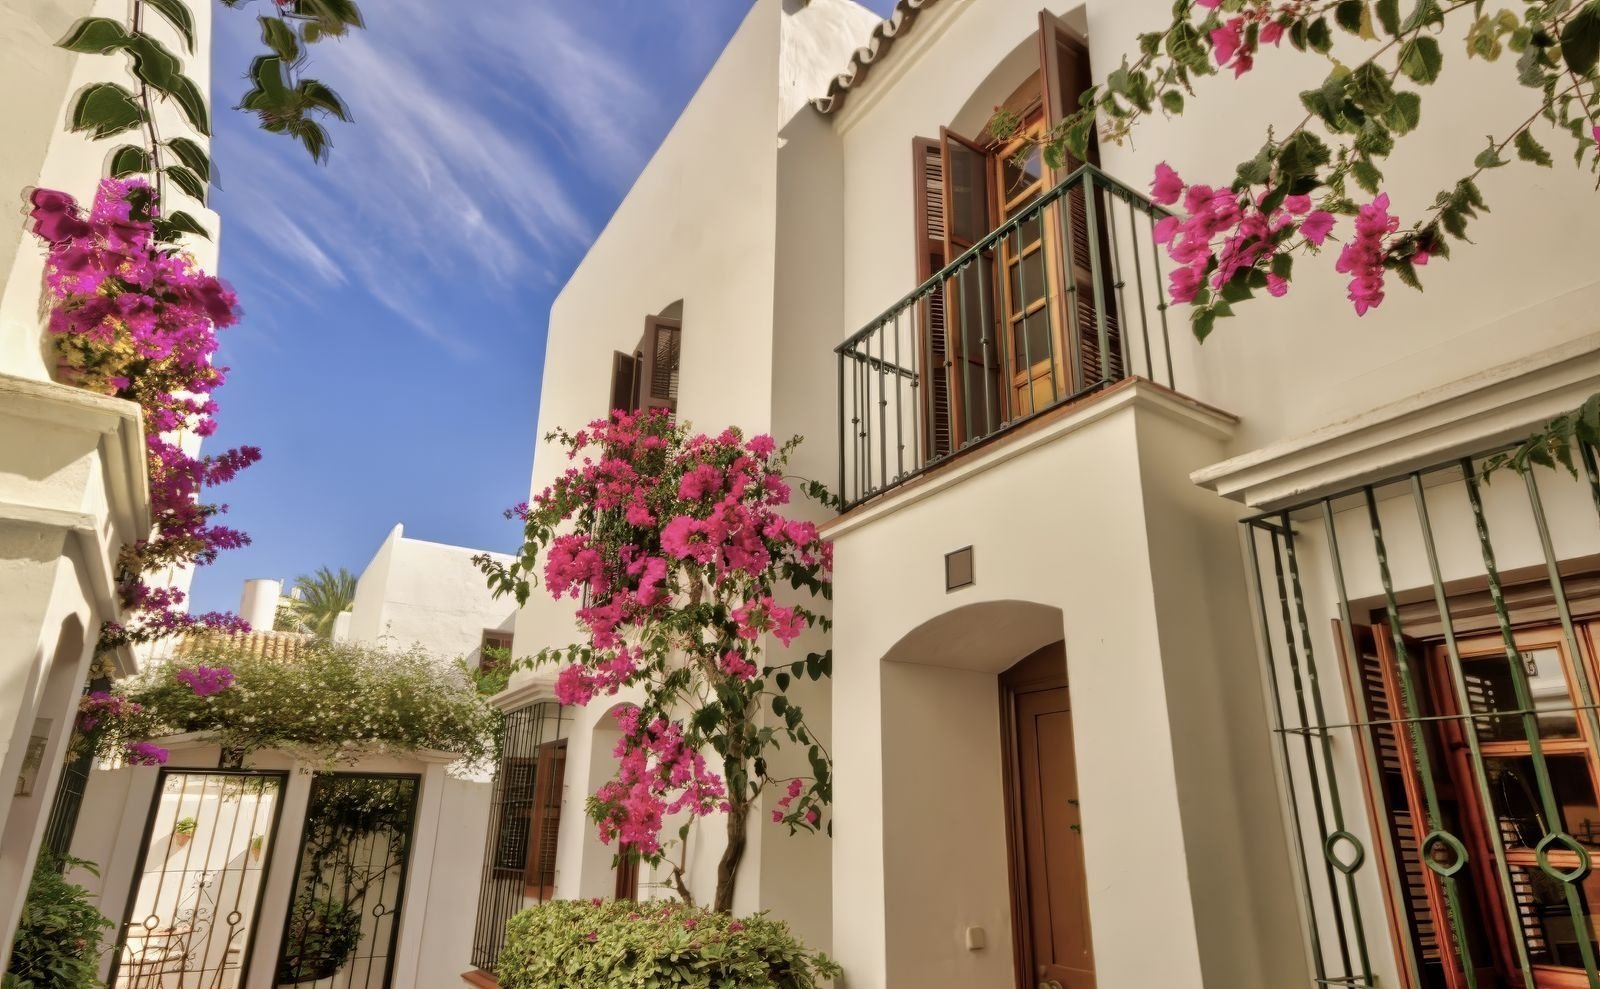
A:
(322, 936)
(185, 825)
(593, 944)
(58, 939)
(333, 700)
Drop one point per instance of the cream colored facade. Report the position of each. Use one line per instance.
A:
(72, 469)
(1111, 525)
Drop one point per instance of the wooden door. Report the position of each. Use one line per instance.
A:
(1050, 901)
(1032, 336)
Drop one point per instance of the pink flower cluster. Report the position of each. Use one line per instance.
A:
(650, 524)
(145, 754)
(1231, 43)
(658, 774)
(138, 320)
(99, 707)
(1364, 256)
(789, 795)
(1226, 232)
(206, 680)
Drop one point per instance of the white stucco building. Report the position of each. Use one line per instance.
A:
(1088, 729)
(416, 592)
(73, 486)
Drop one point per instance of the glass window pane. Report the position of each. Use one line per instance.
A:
(1491, 687)
(1021, 171)
(969, 194)
(1547, 922)
(1030, 341)
(1027, 280)
(1519, 809)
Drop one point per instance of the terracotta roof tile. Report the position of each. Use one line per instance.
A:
(282, 647)
(899, 21)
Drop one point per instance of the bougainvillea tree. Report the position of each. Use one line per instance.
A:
(1318, 176)
(677, 549)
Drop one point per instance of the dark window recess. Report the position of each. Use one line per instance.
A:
(647, 379)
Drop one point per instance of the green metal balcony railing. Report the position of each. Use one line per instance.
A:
(1062, 300)
(1443, 804)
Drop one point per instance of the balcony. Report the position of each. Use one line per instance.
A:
(1057, 303)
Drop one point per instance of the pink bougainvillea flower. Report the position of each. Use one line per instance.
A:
(1167, 186)
(1316, 226)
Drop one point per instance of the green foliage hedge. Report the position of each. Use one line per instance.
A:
(593, 944)
(58, 939)
(333, 700)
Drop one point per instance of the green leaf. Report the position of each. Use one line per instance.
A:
(1489, 157)
(317, 96)
(1203, 322)
(271, 91)
(177, 14)
(1529, 149)
(106, 109)
(192, 155)
(95, 36)
(1580, 39)
(1370, 88)
(1404, 113)
(1424, 13)
(280, 37)
(154, 64)
(1258, 169)
(1389, 16)
(1367, 175)
(1408, 274)
(129, 160)
(1349, 13)
(783, 681)
(1319, 36)
(1420, 59)
(178, 222)
(313, 136)
(193, 104)
(1172, 101)
(1300, 161)
(186, 180)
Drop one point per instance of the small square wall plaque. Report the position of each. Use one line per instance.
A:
(958, 569)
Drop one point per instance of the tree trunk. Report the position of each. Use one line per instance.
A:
(728, 866)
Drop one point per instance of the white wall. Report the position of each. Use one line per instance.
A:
(414, 592)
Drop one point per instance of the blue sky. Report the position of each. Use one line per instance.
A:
(395, 300)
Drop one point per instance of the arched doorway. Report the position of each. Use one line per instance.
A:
(1044, 834)
(977, 717)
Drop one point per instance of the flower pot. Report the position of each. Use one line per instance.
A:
(255, 853)
(179, 839)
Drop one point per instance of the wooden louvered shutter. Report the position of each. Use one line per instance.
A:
(548, 784)
(928, 166)
(1066, 76)
(624, 382)
(660, 356)
(1396, 805)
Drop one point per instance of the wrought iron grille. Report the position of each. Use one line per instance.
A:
(1442, 803)
(63, 820)
(343, 920)
(503, 890)
(206, 849)
(950, 365)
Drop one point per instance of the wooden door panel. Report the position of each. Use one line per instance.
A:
(1049, 887)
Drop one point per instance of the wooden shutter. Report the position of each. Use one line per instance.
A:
(1064, 59)
(659, 359)
(971, 309)
(1418, 921)
(624, 383)
(549, 779)
(928, 168)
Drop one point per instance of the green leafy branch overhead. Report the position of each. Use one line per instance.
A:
(283, 99)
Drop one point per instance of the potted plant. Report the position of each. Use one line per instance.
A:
(323, 933)
(255, 847)
(183, 831)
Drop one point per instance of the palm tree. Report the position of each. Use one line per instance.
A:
(321, 598)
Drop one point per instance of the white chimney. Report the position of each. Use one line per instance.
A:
(259, 606)
(341, 626)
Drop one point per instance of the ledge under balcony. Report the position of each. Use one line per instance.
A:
(1022, 334)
